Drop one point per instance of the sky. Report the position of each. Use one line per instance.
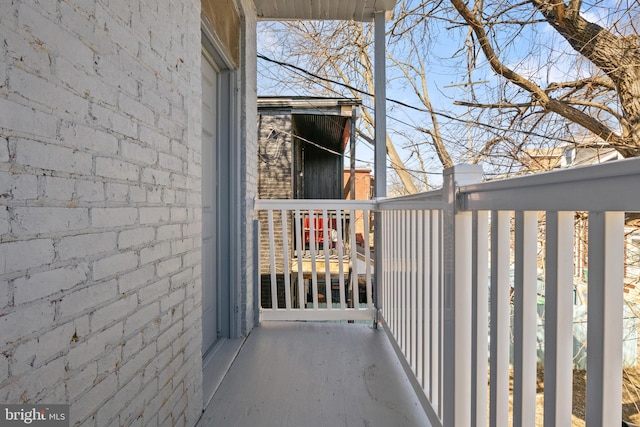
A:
(535, 48)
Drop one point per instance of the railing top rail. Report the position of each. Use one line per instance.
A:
(428, 200)
(611, 186)
(314, 204)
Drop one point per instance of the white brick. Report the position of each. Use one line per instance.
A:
(90, 401)
(4, 368)
(113, 120)
(111, 408)
(55, 38)
(179, 214)
(167, 161)
(24, 119)
(4, 150)
(46, 283)
(113, 217)
(4, 295)
(132, 346)
(84, 83)
(141, 318)
(37, 220)
(81, 380)
(57, 189)
(168, 196)
(86, 245)
(78, 136)
(156, 176)
(154, 195)
(135, 279)
(114, 30)
(137, 194)
(47, 94)
(35, 352)
(154, 215)
(135, 365)
(52, 157)
(180, 279)
(18, 186)
(114, 311)
(135, 109)
(114, 264)
(24, 321)
(34, 383)
(181, 246)
(169, 266)
(29, 52)
(169, 232)
(153, 291)
(155, 252)
(87, 298)
(117, 192)
(90, 191)
(114, 168)
(22, 255)
(86, 351)
(135, 237)
(178, 180)
(154, 138)
(137, 153)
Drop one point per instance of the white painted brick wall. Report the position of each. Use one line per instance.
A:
(94, 123)
(100, 207)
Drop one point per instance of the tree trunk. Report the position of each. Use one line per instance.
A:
(616, 56)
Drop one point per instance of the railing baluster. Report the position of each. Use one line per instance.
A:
(480, 317)
(419, 297)
(299, 246)
(604, 322)
(327, 266)
(500, 289)
(285, 259)
(525, 319)
(436, 374)
(312, 249)
(340, 242)
(558, 319)
(272, 262)
(367, 260)
(355, 297)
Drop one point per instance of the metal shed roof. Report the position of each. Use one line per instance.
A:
(355, 10)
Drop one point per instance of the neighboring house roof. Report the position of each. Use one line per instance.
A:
(356, 10)
(315, 117)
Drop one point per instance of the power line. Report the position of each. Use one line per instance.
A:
(395, 101)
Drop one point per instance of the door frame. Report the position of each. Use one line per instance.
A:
(228, 272)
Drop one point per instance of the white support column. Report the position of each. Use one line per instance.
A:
(380, 155)
(604, 321)
(380, 105)
(457, 332)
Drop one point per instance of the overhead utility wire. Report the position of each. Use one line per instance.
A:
(395, 101)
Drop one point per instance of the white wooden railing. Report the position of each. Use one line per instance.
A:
(316, 262)
(456, 265)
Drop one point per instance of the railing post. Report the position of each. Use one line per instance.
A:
(457, 290)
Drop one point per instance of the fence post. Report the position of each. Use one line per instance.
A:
(457, 308)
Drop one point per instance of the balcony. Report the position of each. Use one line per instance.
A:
(460, 274)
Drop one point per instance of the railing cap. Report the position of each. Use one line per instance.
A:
(465, 174)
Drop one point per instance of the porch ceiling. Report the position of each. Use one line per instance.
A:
(356, 10)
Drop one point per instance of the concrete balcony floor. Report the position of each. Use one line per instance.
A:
(315, 374)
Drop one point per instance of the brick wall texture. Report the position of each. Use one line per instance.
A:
(100, 264)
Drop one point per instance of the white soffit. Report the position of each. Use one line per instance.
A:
(346, 10)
